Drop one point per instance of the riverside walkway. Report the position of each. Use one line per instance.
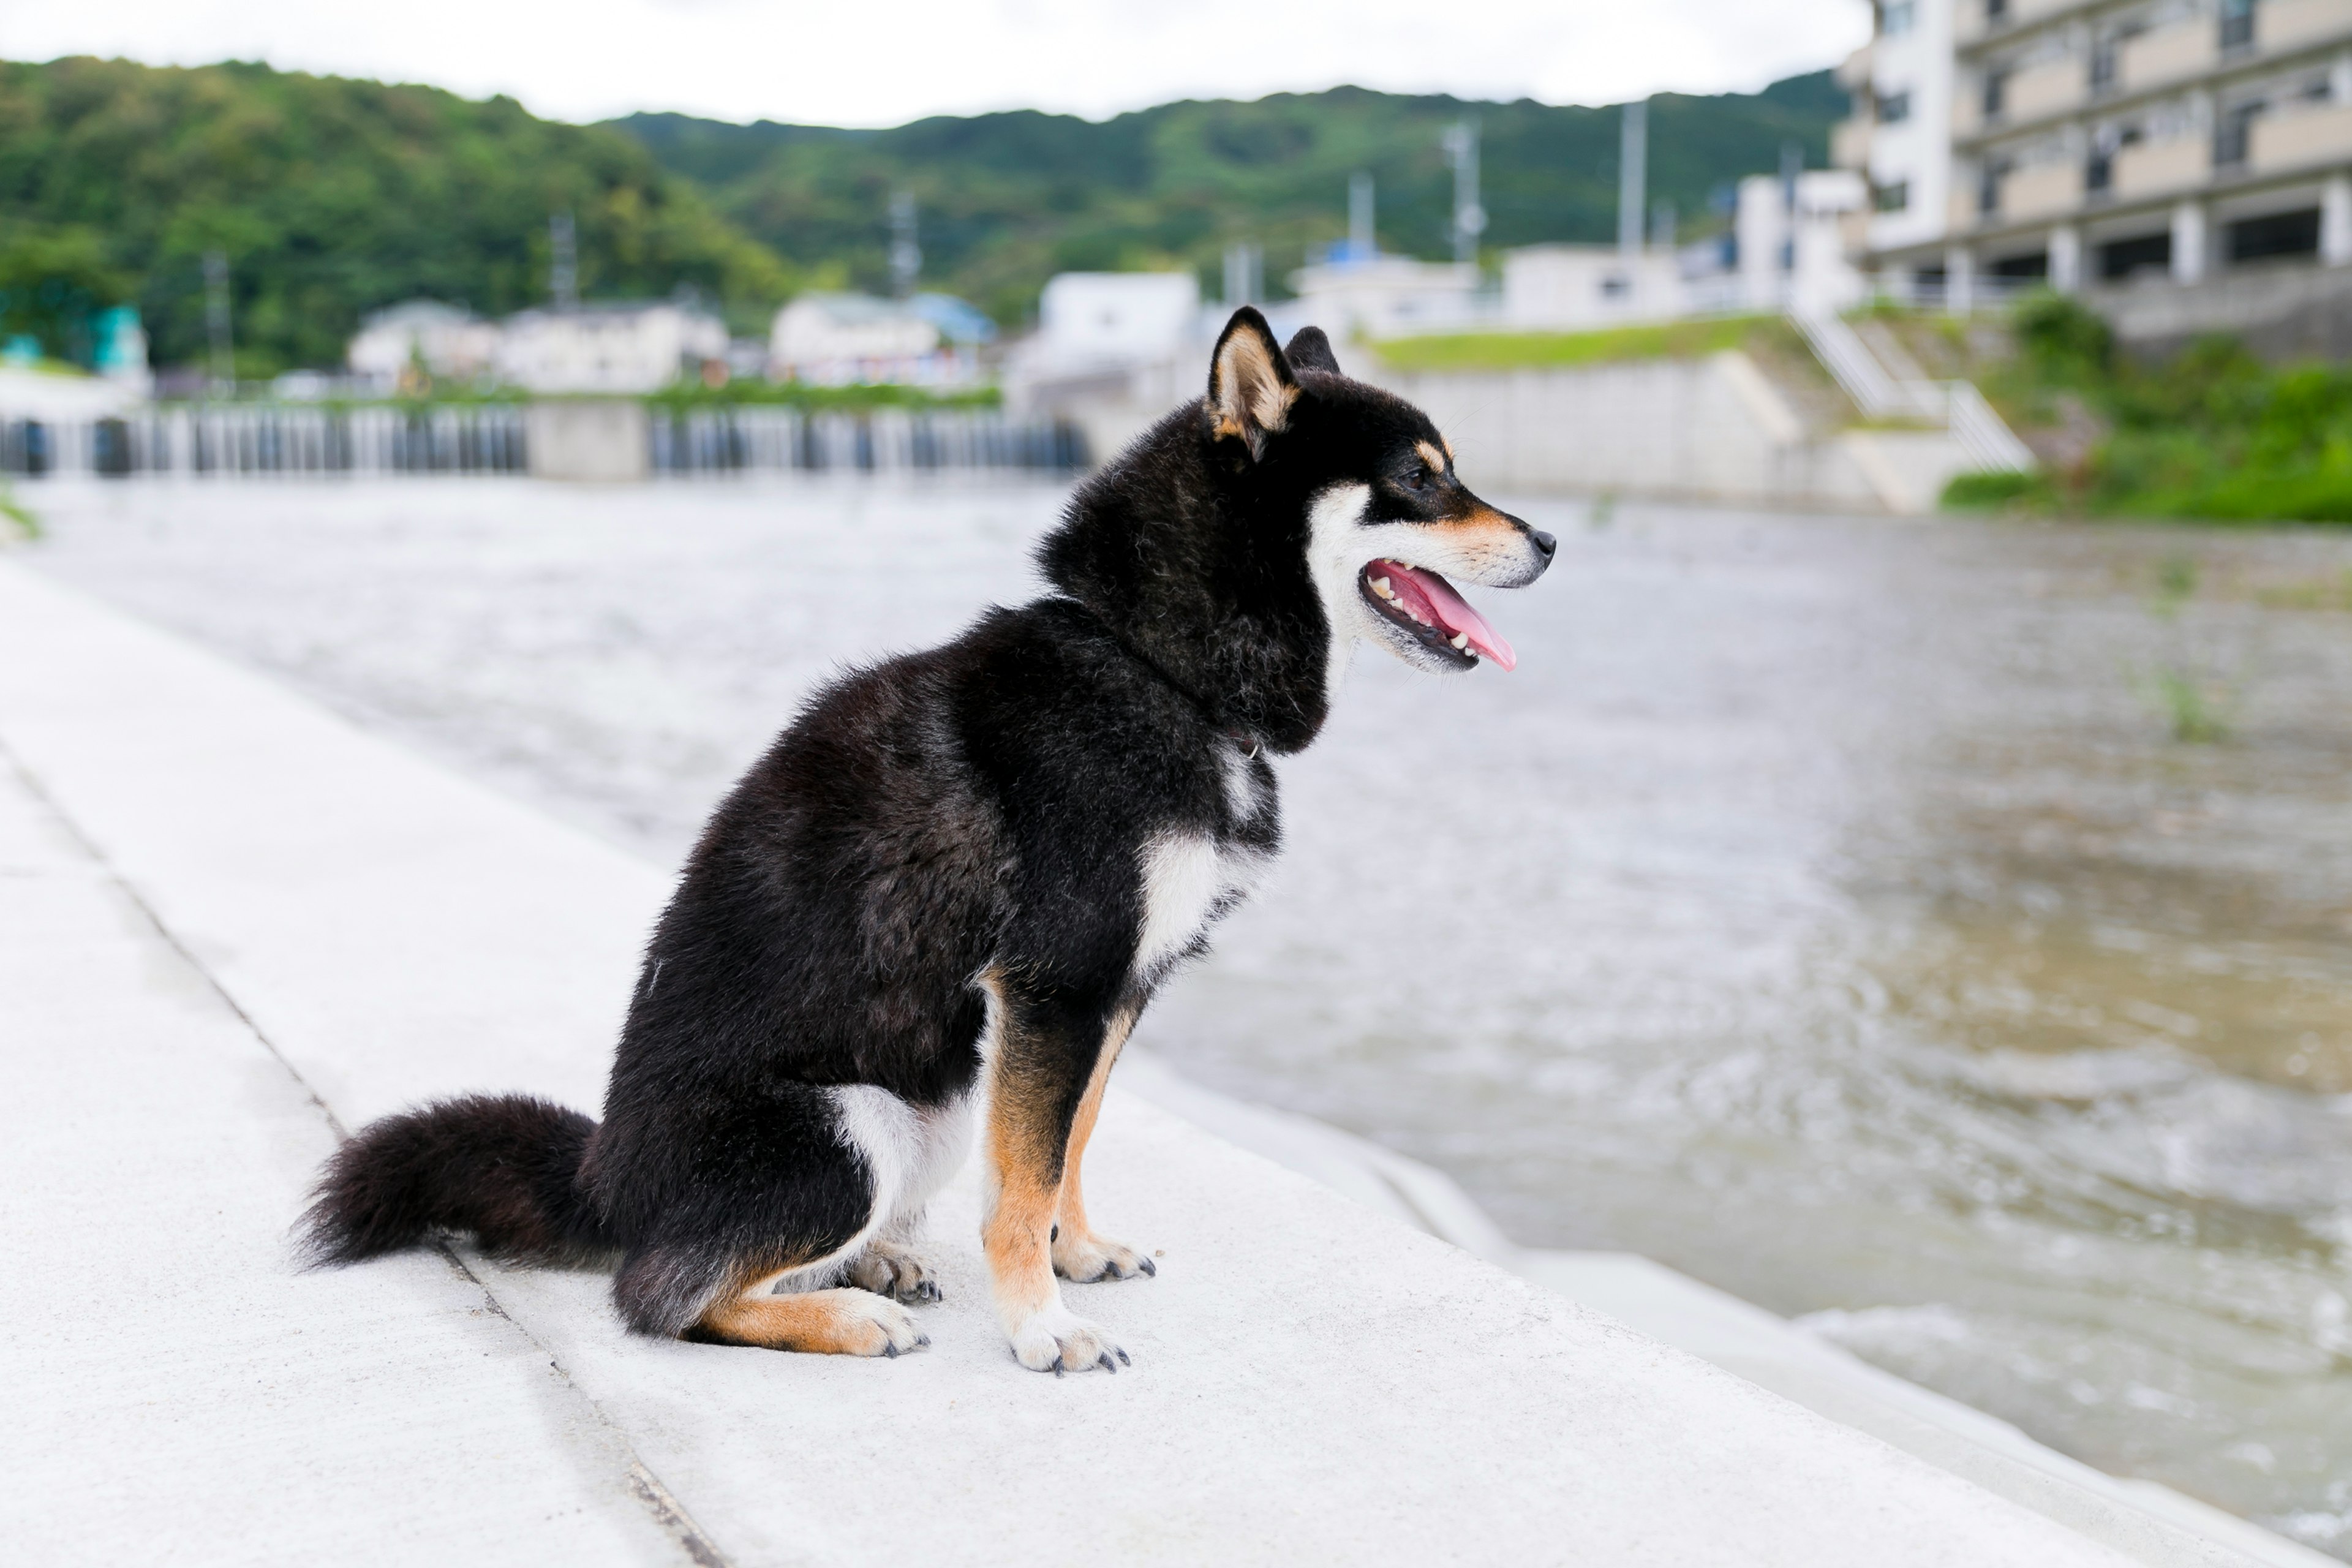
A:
(234, 926)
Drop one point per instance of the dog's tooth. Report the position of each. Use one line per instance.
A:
(1380, 586)
(1461, 639)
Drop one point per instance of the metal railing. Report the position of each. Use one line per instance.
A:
(1957, 406)
(1982, 433)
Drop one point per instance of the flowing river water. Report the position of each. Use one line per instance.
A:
(1940, 932)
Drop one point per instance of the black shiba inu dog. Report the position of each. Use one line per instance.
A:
(948, 889)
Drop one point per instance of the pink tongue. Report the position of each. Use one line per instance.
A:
(1455, 612)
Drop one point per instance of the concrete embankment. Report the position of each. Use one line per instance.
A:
(235, 925)
(1714, 428)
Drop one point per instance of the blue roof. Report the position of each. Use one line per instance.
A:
(958, 320)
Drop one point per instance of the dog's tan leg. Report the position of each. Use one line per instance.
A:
(1036, 1079)
(826, 1322)
(1079, 1254)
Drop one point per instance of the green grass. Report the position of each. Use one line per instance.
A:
(2176, 583)
(1995, 491)
(2309, 592)
(1566, 351)
(2193, 710)
(19, 517)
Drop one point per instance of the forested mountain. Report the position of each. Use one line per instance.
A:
(330, 197)
(1006, 200)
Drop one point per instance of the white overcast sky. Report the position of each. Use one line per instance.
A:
(883, 62)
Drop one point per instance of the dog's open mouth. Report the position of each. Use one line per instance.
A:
(1426, 604)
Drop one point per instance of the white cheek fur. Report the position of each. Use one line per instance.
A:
(1335, 556)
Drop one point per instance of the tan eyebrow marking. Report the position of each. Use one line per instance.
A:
(1431, 456)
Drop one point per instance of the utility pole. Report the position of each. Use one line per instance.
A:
(563, 262)
(906, 255)
(217, 324)
(1793, 163)
(1362, 243)
(1461, 144)
(1245, 273)
(1632, 177)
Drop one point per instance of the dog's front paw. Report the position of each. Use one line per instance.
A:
(876, 1327)
(1085, 1257)
(898, 1272)
(1058, 1340)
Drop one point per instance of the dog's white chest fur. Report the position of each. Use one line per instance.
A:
(1189, 880)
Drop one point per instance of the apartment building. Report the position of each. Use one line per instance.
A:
(2124, 147)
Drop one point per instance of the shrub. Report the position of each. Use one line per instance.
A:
(2065, 340)
(1992, 492)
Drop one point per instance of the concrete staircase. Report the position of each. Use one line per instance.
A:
(1888, 385)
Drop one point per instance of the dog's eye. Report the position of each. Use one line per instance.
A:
(1418, 477)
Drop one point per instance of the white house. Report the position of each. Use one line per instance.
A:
(1387, 295)
(1117, 317)
(609, 348)
(1112, 352)
(1575, 288)
(835, 339)
(452, 343)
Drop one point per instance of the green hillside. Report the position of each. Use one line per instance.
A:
(329, 196)
(1007, 200)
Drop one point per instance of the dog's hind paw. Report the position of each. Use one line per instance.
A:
(1085, 1257)
(1056, 1341)
(898, 1272)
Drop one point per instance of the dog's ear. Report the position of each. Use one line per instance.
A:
(1251, 387)
(1311, 350)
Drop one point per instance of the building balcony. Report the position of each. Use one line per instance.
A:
(2046, 190)
(1849, 145)
(2282, 142)
(2292, 24)
(1978, 20)
(2168, 54)
(2155, 168)
(2039, 91)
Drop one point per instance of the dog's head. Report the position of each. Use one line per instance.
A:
(1389, 524)
(1249, 541)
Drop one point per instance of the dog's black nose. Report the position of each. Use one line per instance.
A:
(1544, 542)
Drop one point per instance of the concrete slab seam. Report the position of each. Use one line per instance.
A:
(668, 1514)
(89, 846)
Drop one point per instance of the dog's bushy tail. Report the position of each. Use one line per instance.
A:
(503, 1169)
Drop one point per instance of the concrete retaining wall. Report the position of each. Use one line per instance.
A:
(1710, 429)
(2284, 311)
(597, 439)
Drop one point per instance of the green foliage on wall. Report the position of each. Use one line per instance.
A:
(2210, 432)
